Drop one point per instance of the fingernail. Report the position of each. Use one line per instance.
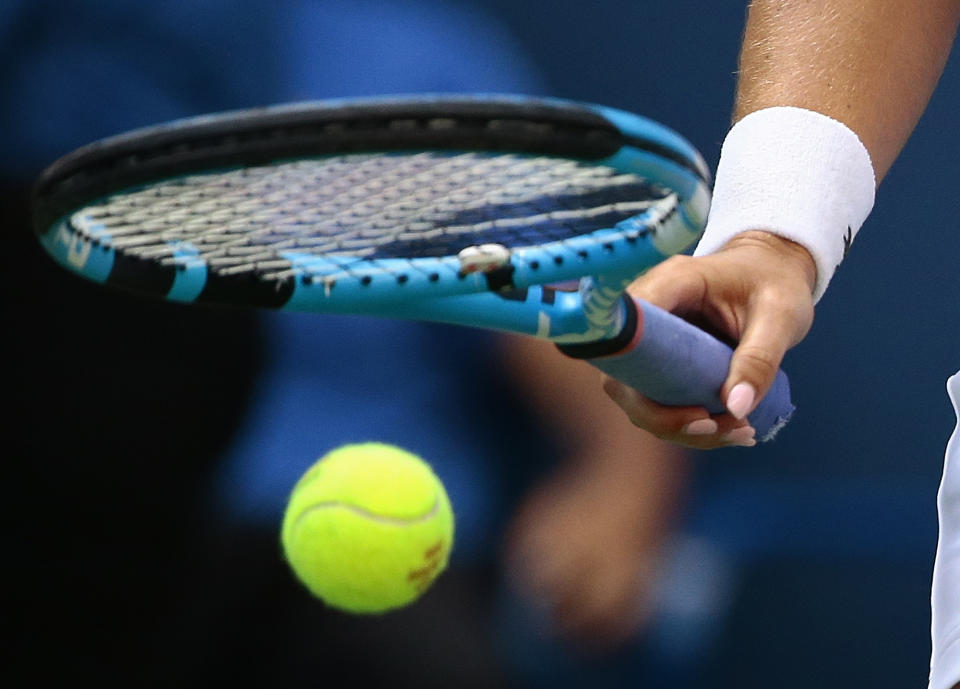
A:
(740, 400)
(743, 436)
(701, 427)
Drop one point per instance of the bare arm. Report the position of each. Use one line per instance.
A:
(870, 64)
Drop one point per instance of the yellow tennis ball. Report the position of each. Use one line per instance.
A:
(368, 528)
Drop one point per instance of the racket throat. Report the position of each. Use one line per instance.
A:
(624, 340)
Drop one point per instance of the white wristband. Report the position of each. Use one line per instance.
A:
(795, 173)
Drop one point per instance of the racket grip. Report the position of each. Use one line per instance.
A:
(676, 363)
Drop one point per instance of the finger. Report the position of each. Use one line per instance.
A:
(770, 331)
(659, 419)
(690, 426)
(672, 285)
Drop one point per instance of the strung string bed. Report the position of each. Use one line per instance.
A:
(363, 207)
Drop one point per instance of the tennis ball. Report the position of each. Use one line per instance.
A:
(368, 528)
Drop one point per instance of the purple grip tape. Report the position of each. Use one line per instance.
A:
(676, 363)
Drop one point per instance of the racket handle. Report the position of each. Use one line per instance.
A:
(676, 363)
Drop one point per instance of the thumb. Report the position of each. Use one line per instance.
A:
(769, 333)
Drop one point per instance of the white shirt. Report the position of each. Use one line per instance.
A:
(945, 598)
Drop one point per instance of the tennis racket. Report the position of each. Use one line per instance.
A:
(510, 213)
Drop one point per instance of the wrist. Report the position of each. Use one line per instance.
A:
(791, 256)
(797, 174)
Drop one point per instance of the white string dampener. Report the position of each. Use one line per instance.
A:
(483, 258)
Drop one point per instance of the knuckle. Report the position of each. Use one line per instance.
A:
(787, 303)
(674, 280)
(792, 304)
(757, 362)
(666, 272)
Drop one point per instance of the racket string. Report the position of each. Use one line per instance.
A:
(361, 208)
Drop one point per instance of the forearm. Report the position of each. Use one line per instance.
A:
(793, 186)
(871, 64)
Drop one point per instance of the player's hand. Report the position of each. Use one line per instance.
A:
(756, 291)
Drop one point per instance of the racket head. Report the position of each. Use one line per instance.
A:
(269, 207)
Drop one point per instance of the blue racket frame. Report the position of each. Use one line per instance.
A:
(664, 357)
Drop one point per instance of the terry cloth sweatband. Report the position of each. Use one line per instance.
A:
(798, 174)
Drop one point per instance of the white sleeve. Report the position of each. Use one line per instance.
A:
(945, 598)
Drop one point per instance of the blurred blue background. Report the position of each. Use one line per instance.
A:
(145, 520)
